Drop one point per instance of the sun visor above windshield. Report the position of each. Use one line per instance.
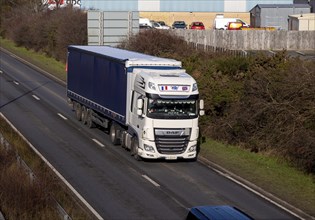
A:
(153, 62)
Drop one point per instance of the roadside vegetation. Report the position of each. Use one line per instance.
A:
(260, 110)
(24, 196)
(31, 25)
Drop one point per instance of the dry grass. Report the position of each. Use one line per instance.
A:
(22, 198)
(269, 172)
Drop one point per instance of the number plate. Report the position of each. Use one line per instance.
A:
(171, 157)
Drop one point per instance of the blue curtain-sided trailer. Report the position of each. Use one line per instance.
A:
(97, 81)
(97, 78)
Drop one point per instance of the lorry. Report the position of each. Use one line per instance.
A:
(221, 23)
(148, 105)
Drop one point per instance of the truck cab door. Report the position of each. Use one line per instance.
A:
(137, 121)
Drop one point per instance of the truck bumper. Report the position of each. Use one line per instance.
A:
(152, 153)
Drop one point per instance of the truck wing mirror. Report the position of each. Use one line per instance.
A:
(140, 103)
(139, 112)
(201, 104)
(201, 108)
(139, 106)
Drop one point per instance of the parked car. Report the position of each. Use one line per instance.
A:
(179, 25)
(235, 26)
(220, 22)
(157, 25)
(164, 24)
(197, 25)
(223, 212)
(145, 22)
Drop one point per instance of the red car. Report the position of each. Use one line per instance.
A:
(197, 25)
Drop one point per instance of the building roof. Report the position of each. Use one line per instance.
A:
(283, 6)
(306, 16)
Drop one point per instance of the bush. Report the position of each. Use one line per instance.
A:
(275, 112)
(49, 32)
(29, 200)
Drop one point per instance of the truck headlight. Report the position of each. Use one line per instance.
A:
(195, 87)
(149, 148)
(192, 148)
(151, 85)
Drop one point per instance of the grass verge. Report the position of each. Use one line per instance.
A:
(265, 171)
(41, 60)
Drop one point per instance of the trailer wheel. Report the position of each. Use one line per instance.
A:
(134, 149)
(89, 121)
(78, 111)
(114, 134)
(83, 114)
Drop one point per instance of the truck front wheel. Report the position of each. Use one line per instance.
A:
(134, 148)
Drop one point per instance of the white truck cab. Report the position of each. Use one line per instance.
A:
(164, 114)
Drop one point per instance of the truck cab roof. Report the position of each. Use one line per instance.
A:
(171, 82)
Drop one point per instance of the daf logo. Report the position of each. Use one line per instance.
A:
(172, 132)
(177, 133)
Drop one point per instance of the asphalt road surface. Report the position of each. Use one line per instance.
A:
(109, 179)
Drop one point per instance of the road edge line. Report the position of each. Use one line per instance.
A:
(49, 75)
(255, 189)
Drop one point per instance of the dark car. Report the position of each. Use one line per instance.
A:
(179, 25)
(197, 25)
(223, 212)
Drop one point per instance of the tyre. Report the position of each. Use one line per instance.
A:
(78, 111)
(89, 121)
(83, 114)
(134, 149)
(114, 134)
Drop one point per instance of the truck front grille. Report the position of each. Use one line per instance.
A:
(172, 141)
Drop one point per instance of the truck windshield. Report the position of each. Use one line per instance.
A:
(172, 109)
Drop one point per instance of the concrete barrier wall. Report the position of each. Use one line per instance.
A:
(251, 39)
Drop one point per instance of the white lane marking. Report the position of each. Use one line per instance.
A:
(16, 82)
(35, 97)
(151, 181)
(54, 170)
(255, 192)
(1, 72)
(61, 116)
(98, 142)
